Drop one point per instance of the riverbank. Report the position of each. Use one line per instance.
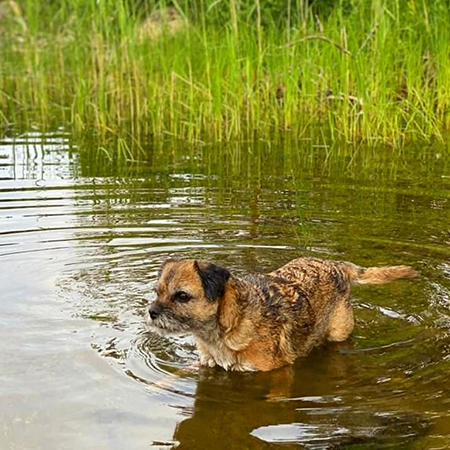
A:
(366, 71)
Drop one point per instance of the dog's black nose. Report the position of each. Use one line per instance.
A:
(154, 311)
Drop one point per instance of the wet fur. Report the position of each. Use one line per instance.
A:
(262, 321)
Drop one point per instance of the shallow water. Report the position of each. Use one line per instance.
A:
(81, 239)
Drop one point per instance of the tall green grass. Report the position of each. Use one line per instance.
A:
(364, 71)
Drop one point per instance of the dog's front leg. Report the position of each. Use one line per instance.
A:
(206, 358)
(240, 337)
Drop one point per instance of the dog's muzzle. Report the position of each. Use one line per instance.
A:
(161, 320)
(154, 311)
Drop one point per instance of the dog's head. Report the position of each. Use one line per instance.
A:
(188, 295)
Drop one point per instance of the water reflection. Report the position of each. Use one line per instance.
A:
(82, 237)
(312, 404)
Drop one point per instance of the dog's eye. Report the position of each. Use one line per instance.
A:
(181, 296)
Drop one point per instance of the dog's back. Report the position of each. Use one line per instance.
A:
(314, 273)
(325, 282)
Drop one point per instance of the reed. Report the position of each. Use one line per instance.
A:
(364, 71)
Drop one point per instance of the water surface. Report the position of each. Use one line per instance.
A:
(81, 240)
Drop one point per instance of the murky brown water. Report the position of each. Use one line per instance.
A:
(80, 243)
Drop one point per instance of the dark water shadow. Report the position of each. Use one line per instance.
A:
(311, 405)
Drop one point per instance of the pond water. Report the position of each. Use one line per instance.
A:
(81, 239)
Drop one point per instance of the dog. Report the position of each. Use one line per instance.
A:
(260, 321)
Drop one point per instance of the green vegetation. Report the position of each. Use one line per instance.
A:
(230, 70)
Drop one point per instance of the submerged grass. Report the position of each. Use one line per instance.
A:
(365, 71)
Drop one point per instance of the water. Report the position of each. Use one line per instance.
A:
(81, 239)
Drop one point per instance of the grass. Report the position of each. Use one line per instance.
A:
(375, 71)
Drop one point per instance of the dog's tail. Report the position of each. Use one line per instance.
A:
(377, 275)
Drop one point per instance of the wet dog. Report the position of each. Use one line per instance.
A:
(261, 321)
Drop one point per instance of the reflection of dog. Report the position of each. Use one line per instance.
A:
(261, 322)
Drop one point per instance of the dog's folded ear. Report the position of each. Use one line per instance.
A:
(213, 279)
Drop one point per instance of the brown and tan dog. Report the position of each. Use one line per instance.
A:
(261, 321)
